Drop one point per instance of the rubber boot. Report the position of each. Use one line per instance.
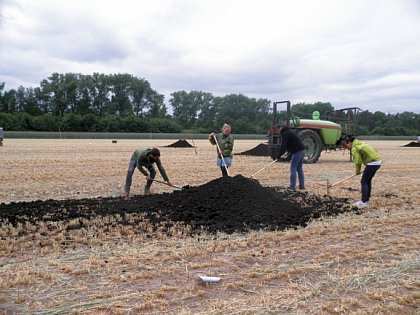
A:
(224, 171)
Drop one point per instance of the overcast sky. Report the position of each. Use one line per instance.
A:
(363, 53)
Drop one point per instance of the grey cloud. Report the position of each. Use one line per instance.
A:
(349, 53)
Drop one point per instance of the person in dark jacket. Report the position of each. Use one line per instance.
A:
(143, 159)
(293, 145)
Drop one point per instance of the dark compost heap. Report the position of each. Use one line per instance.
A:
(230, 204)
(259, 150)
(412, 144)
(180, 144)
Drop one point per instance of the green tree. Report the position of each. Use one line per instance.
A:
(9, 101)
(53, 90)
(90, 123)
(163, 125)
(71, 122)
(304, 110)
(133, 123)
(31, 104)
(365, 118)
(111, 123)
(120, 95)
(140, 95)
(207, 114)
(2, 85)
(239, 109)
(84, 98)
(186, 106)
(99, 86)
(45, 122)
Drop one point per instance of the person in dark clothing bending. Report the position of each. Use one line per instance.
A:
(292, 144)
(143, 159)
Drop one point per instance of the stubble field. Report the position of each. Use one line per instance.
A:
(355, 262)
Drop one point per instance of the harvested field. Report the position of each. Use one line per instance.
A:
(89, 251)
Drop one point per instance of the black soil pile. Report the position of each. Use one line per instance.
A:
(259, 150)
(232, 204)
(180, 144)
(412, 144)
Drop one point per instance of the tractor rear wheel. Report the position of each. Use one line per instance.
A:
(313, 145)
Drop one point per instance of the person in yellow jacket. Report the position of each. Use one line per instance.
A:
(363, 153)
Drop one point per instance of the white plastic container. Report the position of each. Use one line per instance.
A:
(207, 279)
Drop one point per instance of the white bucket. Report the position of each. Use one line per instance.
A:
(418, 139)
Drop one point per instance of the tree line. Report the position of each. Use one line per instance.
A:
(125, 103)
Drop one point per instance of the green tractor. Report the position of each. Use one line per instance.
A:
(316, 134)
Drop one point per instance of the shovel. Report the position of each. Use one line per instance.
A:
(263, 168)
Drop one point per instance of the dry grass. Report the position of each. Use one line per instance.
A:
(358, 264)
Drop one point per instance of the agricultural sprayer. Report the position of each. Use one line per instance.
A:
(316, 134)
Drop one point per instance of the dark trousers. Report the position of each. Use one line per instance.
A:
(131, 167)
(366, 181)
(296, 166)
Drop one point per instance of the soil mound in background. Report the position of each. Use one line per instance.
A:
(227, 204)
(412, 144)
(180, 144)
(259, 150)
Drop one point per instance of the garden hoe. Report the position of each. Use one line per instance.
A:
(165, 183)
(263, 168)
(339, 182)
(221, 155)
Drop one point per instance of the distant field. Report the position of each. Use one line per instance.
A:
(361, 264)
(113, 135)
(152, 135)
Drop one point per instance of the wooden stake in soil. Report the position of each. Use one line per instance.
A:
(195, 150)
